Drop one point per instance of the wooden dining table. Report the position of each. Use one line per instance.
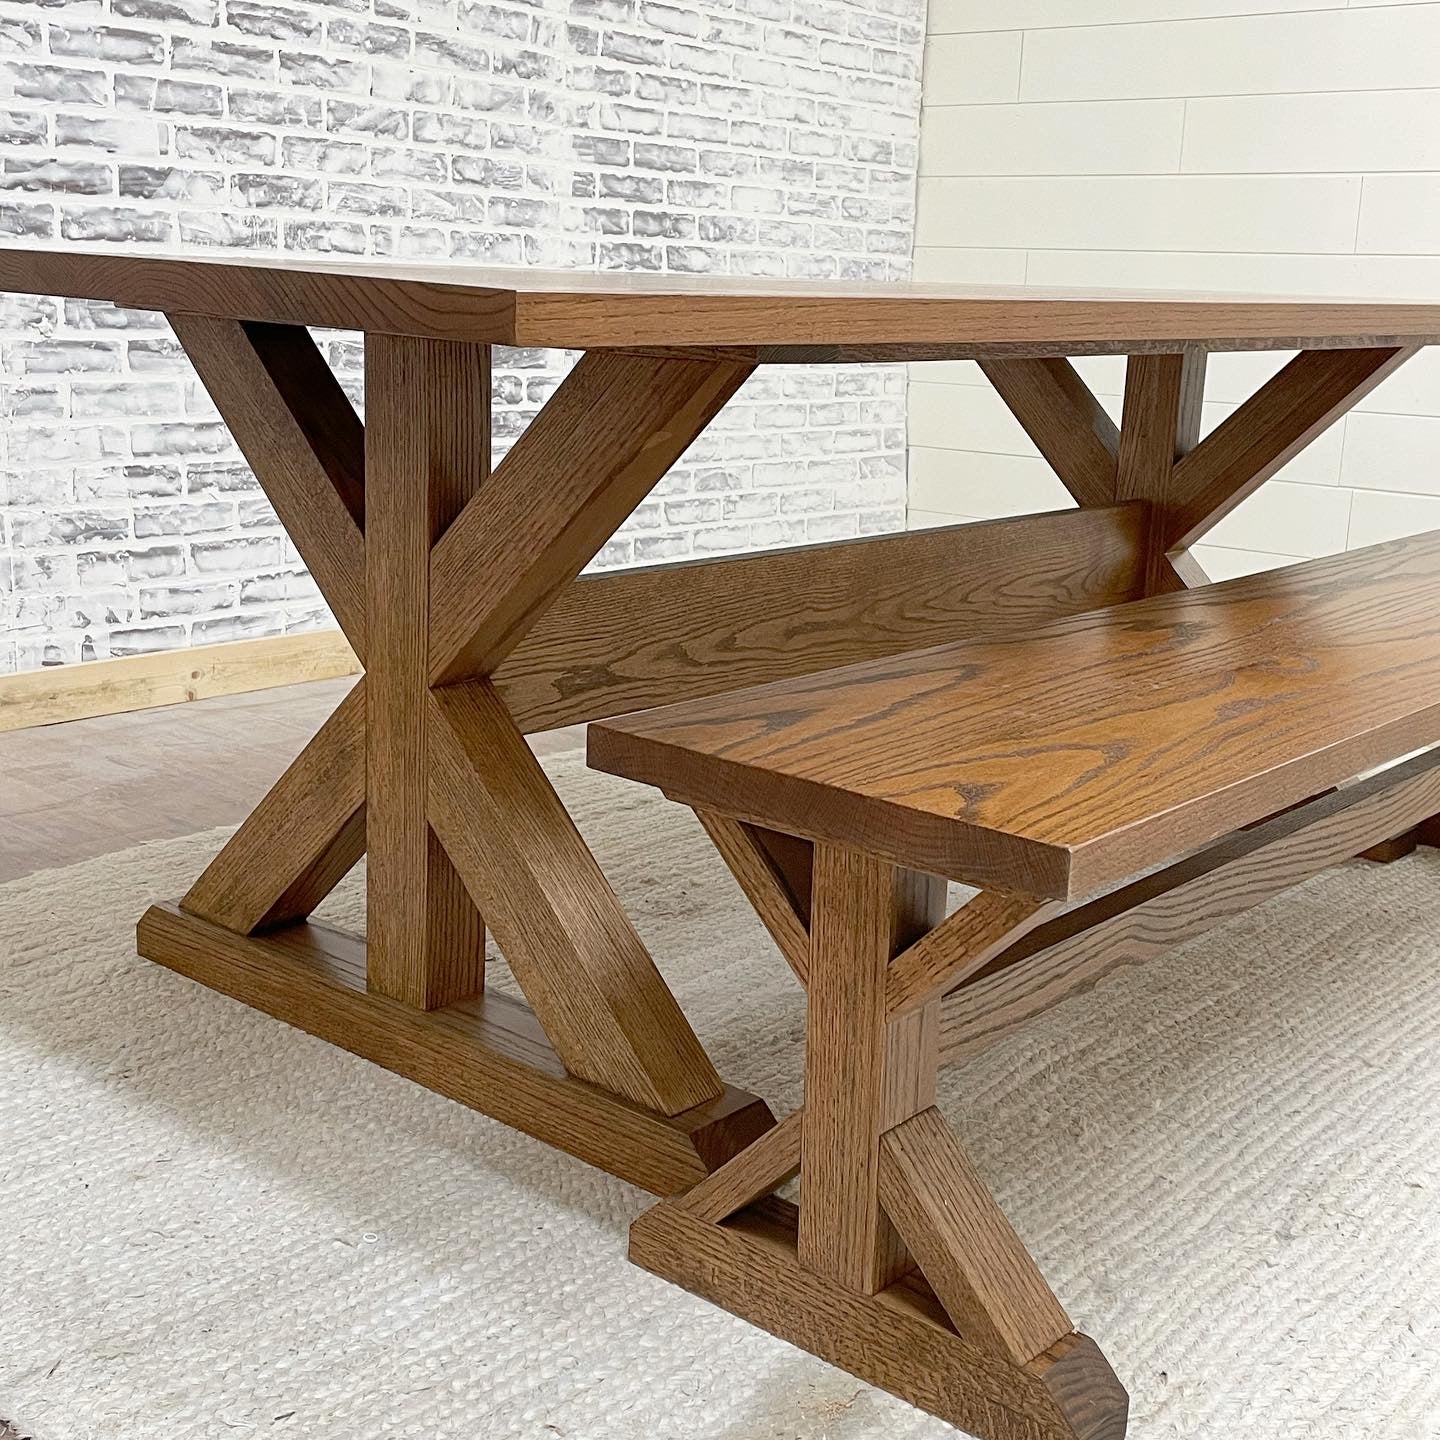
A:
(460, 587)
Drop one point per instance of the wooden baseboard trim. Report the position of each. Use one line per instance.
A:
(170, 677)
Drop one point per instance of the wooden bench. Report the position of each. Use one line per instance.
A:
(1215, 734)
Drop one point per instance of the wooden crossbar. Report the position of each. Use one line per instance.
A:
(1074, 951)
(631, 639)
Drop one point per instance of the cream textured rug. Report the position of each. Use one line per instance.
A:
(211, 1225)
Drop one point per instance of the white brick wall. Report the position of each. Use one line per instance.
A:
(1281, 146)
(734, 136)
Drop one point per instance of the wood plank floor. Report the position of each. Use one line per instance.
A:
(91, 787)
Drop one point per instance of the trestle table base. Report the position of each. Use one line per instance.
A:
(487, 1052)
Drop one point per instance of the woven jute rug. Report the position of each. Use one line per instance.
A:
(212, 1225)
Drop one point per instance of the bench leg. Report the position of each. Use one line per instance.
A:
(897, 1265)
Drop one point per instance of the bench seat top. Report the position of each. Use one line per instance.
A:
(1065, 761)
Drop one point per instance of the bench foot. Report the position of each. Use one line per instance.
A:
(899, 1339)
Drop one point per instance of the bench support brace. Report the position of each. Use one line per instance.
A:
(897, 1264)
(1072, 951)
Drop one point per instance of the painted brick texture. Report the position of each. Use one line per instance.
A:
(770, 137)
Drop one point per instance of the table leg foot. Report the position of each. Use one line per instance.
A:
(899, 1339)
(488, 1051)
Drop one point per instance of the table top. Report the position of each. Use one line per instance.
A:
(770, 320)
(1070, 758)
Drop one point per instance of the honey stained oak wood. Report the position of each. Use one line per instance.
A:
(302, 838)
(863, 1073)
(571, 947)
(970, 1256)
(765, 320)
(1313, 391)
(767, 885)
(769, 1162)
(1161, 423)
(460, 570)
(1067, 423)
(883, 1187)
(1072, 952)
(487, 1052)
(1180, 718)
(634, 638)
(901, 1339)
(427, 404)
(597, 449)
(300, 434)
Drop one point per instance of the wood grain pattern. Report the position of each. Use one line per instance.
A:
(427, 405)
(572, 949)
(859, 1070)
(487, 1052)
(1185, 572)
(899, 1340)
(1312, 392)
(633, 639)
(301, 437)
(773, 1160)
(597, 448)
(1180, 718)
(959, 946)
(302, 838)
(1160, 424)
(1068, 425)
(809, 321)
(1074, 951)
(766, 886)
(966, 1249)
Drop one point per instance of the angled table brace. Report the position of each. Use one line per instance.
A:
(306, 445)
(585, 971)
(1312, 392)
(302, 439)
(775, 872)
(431, 780)
(300, 841)
(606, 437)
(1192, 489)
(1068, 424)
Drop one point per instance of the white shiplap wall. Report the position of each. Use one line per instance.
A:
(1273, 146)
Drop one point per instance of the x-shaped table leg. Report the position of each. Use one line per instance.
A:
(437, 569)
